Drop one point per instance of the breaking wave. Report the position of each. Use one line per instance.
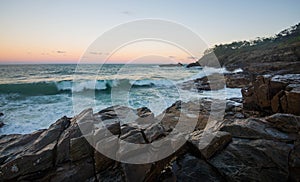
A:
(57, 87)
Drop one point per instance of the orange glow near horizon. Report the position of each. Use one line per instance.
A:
(127, 54)
(146, 52)
(38, 55)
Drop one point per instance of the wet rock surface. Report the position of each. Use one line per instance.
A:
(211, 82)
(235, 143)
(218, 81)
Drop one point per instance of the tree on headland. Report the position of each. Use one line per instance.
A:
(284, 46)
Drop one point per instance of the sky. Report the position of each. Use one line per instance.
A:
(62, 31)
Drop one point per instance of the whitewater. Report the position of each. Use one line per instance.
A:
(34, 96)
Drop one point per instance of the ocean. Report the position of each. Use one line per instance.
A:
(34, 96)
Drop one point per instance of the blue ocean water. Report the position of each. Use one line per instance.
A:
(34, 96)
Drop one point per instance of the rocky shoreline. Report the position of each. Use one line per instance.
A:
(257, 140)
(254, 138)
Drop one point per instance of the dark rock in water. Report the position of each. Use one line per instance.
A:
(273, 94)
(1, 114)
(218, 81)
(211, 82)
(171, 65)
(193, 64)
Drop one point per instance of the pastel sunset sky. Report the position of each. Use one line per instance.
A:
(50, 31)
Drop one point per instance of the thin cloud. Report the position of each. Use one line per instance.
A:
(172, 57)
(60, 52)
(191, 57)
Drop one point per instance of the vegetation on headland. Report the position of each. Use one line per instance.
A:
(283, 47)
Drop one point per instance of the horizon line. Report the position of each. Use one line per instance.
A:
(42, 63)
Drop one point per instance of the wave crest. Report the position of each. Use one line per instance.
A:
(65, 86)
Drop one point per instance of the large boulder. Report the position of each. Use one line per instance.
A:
(285, 122)
(209, 143)
(189, 114)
